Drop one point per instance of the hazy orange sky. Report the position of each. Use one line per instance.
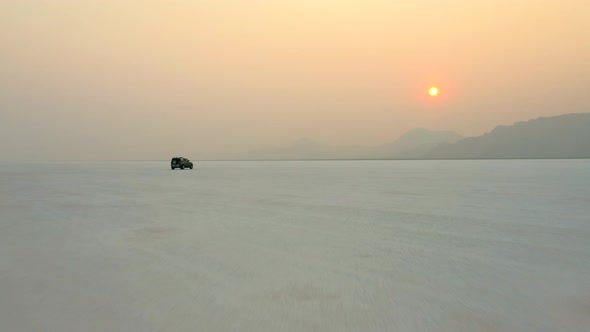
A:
(148, 79)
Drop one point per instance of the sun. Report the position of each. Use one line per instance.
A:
(433, 92)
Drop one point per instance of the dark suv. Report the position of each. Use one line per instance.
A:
(181, 162)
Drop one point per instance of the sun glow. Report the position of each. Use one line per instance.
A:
(433, 92)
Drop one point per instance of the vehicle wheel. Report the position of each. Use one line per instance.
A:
(172, 168)
(181, 167)
(191, 166)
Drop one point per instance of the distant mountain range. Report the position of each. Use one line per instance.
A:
(418, 142)
(565, 136)
(412, 144)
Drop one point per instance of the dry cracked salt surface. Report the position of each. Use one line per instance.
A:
(296, 246)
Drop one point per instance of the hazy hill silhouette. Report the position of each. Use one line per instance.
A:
(565, 136)
(416, 142)
(410, 145)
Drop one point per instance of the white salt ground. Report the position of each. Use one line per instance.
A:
(296, 246)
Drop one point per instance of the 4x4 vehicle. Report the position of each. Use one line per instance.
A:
(181, 162)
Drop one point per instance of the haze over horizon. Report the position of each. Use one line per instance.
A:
(130, 79)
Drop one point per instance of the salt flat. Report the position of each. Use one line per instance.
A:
(296, 246)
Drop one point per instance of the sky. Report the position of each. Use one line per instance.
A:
(151, 79)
